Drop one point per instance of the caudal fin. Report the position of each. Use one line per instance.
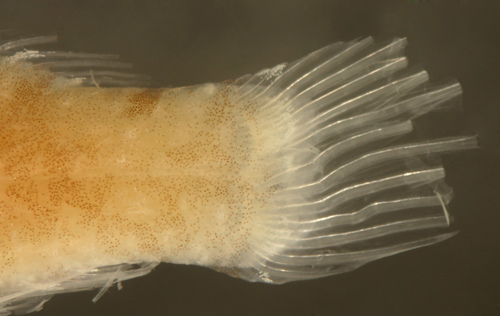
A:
(353, 183)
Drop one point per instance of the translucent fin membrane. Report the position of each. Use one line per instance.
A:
(86, 69)
(350, 188)
(27, 301)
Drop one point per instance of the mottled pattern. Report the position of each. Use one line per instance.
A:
(92, 177)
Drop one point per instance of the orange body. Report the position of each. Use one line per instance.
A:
(91, 177)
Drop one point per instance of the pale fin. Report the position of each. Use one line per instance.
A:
(102, 277)
(358, 185)
(84, 69)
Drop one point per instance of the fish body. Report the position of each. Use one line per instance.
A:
(293, 173)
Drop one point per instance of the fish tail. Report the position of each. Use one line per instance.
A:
(353, 182)
(340, 174)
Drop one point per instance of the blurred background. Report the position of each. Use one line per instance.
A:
(186, 42)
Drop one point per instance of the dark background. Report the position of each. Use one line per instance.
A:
(188, 42)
